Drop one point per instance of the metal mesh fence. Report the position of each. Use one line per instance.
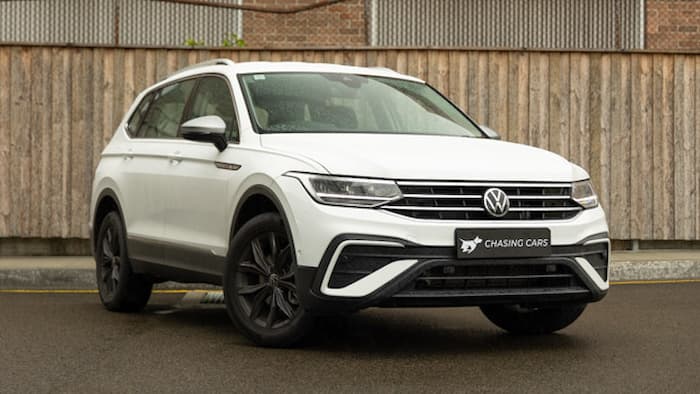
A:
(112, 22)
(592, 24)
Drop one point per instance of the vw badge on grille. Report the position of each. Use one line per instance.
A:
(496, 202)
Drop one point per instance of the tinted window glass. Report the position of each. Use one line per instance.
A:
(136, 118)
(213, 97)
(165, 113)
(345, 103)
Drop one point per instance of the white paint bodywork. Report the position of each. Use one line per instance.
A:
(170, 190)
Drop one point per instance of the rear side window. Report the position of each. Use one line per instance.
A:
(165, 112)
(137, 117)
(213, 97)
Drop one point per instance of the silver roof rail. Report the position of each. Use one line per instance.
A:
(212, 62)
(384, 69)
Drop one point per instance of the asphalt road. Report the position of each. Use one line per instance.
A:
(641, 338)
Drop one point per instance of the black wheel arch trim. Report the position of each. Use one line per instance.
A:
(268, 193)
(107, 192)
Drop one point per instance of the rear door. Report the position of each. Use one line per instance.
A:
(154, 133)
(200, 182)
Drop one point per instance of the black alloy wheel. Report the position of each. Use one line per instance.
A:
(265, 284)
(120, 289)
(110, 258)
(259, 284)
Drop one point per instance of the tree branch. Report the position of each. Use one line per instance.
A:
(253, 8)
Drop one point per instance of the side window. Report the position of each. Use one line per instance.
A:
(137, 117)
(213, 97)
(165, 112)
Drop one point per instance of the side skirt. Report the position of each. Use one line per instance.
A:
(170, 262)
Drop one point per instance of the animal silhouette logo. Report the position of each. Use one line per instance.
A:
(468, 246)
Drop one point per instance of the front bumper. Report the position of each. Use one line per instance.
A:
(403, 248)
(433, 276)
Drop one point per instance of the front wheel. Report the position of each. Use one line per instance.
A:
(259, 284)
(522, 320)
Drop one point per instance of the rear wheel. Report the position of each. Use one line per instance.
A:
(119, 287)
(259, 284)
(522, 320)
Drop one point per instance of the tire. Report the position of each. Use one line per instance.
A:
(120, 289)
(532, 320)
(259, 286)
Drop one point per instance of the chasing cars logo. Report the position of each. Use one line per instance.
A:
(469, 245)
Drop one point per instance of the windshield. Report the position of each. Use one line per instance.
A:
(346, 103)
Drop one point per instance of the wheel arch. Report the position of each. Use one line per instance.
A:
(256, 200)
(107, 202)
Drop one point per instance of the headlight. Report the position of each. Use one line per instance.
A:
(346, 191)
(582, 192)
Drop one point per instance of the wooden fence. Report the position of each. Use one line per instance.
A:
(629, 118)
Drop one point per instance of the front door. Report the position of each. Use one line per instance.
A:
(200, 181)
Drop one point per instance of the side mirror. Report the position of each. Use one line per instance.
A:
(206, 129)
(490, 133)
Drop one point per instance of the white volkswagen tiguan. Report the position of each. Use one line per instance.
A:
(307, 189)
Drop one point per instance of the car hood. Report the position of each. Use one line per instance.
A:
(401, 156)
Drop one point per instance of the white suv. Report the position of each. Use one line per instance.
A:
(308, 189)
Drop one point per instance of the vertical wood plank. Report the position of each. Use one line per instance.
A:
(77, 138)
(87, 148)
(684, 147)
(65, 142)
(663, 211)
(56, 157)
(162, 64)
(46, 129)
(401, 61)
(558, 127)
(595, 132)
(641, 179)
(96, 130)
(36, 135)
(108, 105)
(140, 73)
(129, 75)
(118, 81)
(620, 146)
(455, 77)
(441, 72)
(579, 109)
(539, 100)
(498, 95)
(5, 137)
(379, 58)
(604, 135)
(519, 100)
(478, 86)
(697, 146)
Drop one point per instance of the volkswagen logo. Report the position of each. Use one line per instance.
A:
(496, 202)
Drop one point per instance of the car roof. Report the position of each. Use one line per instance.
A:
(276, 67)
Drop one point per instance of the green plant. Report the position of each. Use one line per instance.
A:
(232, 40)
(191, 42)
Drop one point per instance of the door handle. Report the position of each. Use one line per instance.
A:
(129, 155)
(175, 158)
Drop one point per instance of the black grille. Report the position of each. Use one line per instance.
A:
(498, 276)
(358, 261)
(464, 201)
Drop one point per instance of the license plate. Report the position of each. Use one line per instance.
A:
(509, 243)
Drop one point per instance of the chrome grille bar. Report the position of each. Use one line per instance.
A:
(481, 184)
(453, 200)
